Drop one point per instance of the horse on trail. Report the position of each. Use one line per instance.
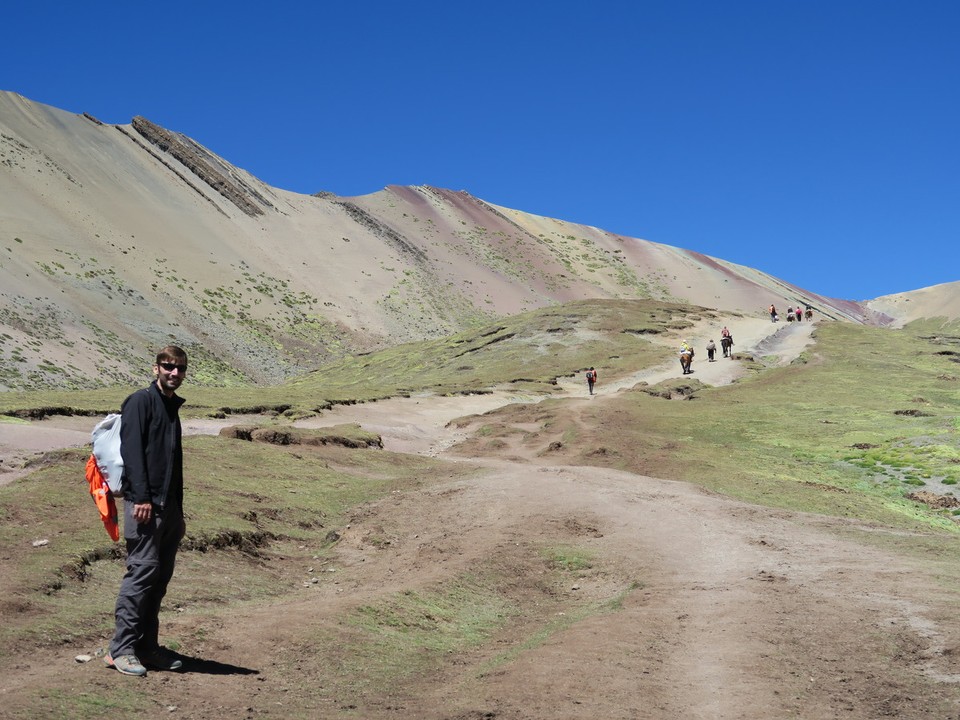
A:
(808, 313)
(686, 360)
(726, 342)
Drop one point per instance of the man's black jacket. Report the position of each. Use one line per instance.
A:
(150, 447)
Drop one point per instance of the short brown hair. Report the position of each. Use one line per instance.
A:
(172, 352)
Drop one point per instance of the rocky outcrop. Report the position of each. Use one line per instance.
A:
(202, 164)
(362, 217)
(169, 165)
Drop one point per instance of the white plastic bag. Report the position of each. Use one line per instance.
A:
(106, 450)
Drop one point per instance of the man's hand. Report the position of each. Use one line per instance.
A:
(142, 512)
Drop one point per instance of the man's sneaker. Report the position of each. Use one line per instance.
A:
(162, 659)
(125, 664)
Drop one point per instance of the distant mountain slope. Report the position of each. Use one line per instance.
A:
(941, 301)
(115, 239)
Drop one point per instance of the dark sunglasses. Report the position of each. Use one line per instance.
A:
(170, 367)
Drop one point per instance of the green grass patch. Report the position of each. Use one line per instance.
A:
(409, 633)
(528, 351)
(569, 559)
(462, 614)
(512, 599)
(556, 625)
(85, 705)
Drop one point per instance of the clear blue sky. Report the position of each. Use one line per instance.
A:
(815, 140)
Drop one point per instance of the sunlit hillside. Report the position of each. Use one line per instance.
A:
(115, 239)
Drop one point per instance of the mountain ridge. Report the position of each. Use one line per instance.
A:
(115, 239)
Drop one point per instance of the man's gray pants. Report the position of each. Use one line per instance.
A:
(151, 556)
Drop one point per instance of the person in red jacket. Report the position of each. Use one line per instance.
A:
(591, 379)
(153, 525)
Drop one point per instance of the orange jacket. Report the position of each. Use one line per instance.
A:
(103, 498)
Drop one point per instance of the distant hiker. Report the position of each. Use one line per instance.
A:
(773, 313)
(591, 379)
(711, 349)
(686, 357)
(799, 314)
(789, 314)
(809, 312)
(152, 515)
(726, 342)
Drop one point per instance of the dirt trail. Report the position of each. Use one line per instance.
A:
(736, 612)
(418, 424)
(782, 341)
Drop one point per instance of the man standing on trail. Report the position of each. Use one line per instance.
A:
(711, 349)
(591, 379)
(150, 444)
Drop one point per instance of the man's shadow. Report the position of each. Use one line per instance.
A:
(212, 667)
